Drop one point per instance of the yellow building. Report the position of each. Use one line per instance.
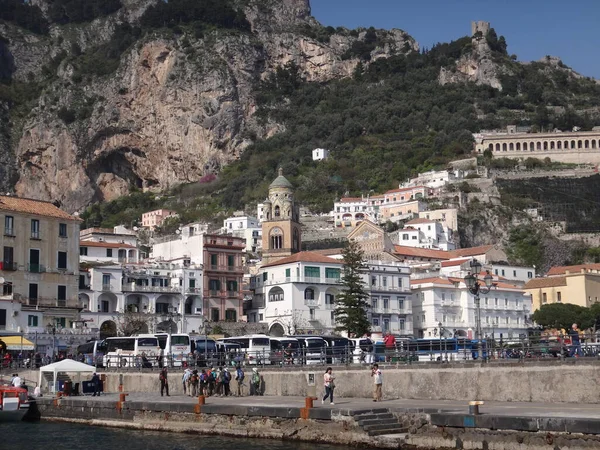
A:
(578, 285)
(40, 260)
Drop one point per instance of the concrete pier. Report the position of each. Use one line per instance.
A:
(421, 424)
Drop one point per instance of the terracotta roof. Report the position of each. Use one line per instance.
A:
(104, 244)
(497, 284)
(537, 283)
(376, 196)
(561, 270)
(403, 250)
(311, 257)
(471, 251)
(329, 251)
(395, 191)
(455, 262)
(351, 199)
(33, 207)
(419, 220)
(435, 280)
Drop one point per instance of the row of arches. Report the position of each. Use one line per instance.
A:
(532, 146)
(107, 302)
(276, 294)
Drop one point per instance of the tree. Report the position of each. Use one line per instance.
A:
(130, 323)
(351, 305)
(525, 246)
(563, 315)
(294, 322)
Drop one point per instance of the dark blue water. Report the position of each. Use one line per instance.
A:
(64, 436)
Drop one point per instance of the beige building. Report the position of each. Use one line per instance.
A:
(281, 235)
(40, 263)
(401, 211)
(153, 219)
(579, 285)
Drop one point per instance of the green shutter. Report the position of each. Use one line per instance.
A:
(230, 260)
(288, 273)
(332, 273)
(265, 276)
(213, 260)
(312, 272)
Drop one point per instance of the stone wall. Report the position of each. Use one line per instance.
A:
(548, 382)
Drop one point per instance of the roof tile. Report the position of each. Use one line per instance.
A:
(312, 257)
(537, 283)
(33, 207)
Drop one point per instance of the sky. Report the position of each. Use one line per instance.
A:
(532, 28)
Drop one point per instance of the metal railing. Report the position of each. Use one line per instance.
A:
(36, 268)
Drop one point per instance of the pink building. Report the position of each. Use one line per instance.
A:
(154, 219)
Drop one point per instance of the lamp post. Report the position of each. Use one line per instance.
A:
(475, 287)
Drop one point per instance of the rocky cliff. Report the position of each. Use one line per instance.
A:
(179, 105)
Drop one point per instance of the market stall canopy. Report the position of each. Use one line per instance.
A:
(17, 343)
(66, 365)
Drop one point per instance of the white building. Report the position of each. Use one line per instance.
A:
(448, 217)
(296, 294)
(443, 300)
(425, 233)
(246, 227)
(157, 293)
(389, 287)
(319, 154)
(186, 245)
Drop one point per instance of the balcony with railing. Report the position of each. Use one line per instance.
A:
(9, 232)
(35, 235)
(132, 287)
(298, 279)
(47, 302)
(221, 268)
(380, 288)
(311, 302)
(36, 268)
(9, 266)
(107, 287)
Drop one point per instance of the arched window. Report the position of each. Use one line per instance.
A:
(586, 144)
(539, 145)
(518, 145)
(497, 147)
(551, 145)
(276, 239)
(559, 145)
(572, 144)
(511, 146)
(531, 147)
(504, 147)
(277, 211)
(276, 294)
(524, 145)
(579, 144)
(309, 294)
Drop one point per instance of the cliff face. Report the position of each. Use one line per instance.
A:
(178, 106)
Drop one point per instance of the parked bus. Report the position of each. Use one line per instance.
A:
(93, 352)
(132, 351)
(363, 350)
(313, 349)
(205, 349)
(285, 350)
(446, 349)
(176, 348)
(339, 349)
(257, 347)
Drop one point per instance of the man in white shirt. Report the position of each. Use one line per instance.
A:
(378, 379)
(16, 381)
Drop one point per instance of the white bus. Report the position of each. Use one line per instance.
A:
(176, 348)
(257, 347)
(132, 351)
(93, 352)
(285, 350)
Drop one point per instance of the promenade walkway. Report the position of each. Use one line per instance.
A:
(346, 406)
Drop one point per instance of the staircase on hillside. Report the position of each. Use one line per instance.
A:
(377, 422)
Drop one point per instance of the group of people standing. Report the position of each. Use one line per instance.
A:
(212, 382)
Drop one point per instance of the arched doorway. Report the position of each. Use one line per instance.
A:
(276, 330)
(108, 329)
(84, 302)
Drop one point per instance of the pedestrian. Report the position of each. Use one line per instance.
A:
(212, 380)
(164, 382)
(219, 381)
(185, 381)
(96, 384)
(378, 379)
(204, 383)
(194, 383)
(239, 377)
(390, 345)
(255, 382)
(329, 385)
(575, 341)
(16, 380)
(226, 380)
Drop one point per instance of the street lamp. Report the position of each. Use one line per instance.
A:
(476, 288)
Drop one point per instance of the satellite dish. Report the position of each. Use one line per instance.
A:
(135, 228)
(1, 280)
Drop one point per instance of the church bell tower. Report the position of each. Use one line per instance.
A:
(281, 224)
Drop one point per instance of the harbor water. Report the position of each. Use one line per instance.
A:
(62, 436)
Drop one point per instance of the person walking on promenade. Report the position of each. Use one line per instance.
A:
(219, 381)
(164, 382)
(226, 380)
(390, 345)
(212, 379)
(185, 381)
(204, 382)
(575, 341)
(378, 379)
(194, 383)
(329, 385)
(239, 377)
(96, 384)
(255, 382)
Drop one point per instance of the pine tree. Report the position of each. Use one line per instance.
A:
(351, 304)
